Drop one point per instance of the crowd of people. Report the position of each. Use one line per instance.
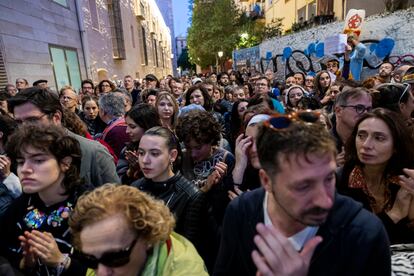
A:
(234, 173)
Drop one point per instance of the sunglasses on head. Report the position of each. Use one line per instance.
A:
(109, 259)
(279, 122)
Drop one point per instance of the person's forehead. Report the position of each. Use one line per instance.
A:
(69, 92)
(309, 164)
(361, 99)
(26, 110)
(104, 235)
(87, 85)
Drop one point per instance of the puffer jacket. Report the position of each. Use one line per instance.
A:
(185, 201)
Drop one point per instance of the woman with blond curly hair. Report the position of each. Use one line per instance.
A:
(123, 231)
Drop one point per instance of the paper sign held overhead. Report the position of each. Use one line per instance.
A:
(335, 44)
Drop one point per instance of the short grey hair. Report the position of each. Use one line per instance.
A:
(112, 104)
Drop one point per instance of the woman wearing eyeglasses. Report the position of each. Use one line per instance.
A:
(399, 98)
(123, 231)
(105, 86)
(34, 232)
(378, 151)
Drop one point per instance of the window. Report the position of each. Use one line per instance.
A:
(162, 55)
(94, 14)
(117, 33)
(301, 15)
(144, 46)
(65, 65)
(61, 2)
(132, 37)
(311, 10)
(155, 49)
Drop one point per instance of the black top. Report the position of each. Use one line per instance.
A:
(28, 212)
(354, 240)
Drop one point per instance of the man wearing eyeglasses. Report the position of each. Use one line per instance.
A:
(262, 87)
(296, 224)
(350, 105)
(121, 231)
(35, 105)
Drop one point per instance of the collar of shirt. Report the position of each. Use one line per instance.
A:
(299, 239)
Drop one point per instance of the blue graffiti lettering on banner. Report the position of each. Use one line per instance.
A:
(384, 47)
(320, 50)
(287, 52)
(311, 59)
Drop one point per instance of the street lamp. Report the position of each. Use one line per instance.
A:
(220, 55)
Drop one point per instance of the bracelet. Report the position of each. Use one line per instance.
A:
(63, 264)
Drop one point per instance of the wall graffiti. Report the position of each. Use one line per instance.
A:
(311, 60)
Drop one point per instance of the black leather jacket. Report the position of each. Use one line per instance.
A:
(185, 201)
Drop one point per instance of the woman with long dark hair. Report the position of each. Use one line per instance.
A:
(376, 154)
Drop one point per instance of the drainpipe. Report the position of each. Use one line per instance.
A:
(83, 38)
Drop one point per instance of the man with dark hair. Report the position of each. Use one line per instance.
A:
(385, 71)
(223, 79)
(262, 87)
(296, 224)
(88, 88)
(39, 106)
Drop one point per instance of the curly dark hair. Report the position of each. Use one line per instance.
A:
(199, 126)
(53, 140)
(208, 101)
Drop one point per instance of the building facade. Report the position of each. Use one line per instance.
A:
(166, 9)
(41, 40)
(297, 13)
(65, 41)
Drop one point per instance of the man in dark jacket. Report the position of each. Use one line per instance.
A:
(296, 224)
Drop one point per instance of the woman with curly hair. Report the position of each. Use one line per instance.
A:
(204, 163)
(119, 230)
(37, 240)
(105, 86)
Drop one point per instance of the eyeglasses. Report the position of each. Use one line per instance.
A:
(109, 259)
(105, 85)
(359, 108)
(279, 122)
(30, 120)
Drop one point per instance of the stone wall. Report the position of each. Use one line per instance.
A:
(28, 28)
(398, 26)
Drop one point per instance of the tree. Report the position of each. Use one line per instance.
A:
(213, 29)
(183, 61)
(218, 25)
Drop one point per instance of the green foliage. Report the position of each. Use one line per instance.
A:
(183, 61)
(217, 25)
(212, 30)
